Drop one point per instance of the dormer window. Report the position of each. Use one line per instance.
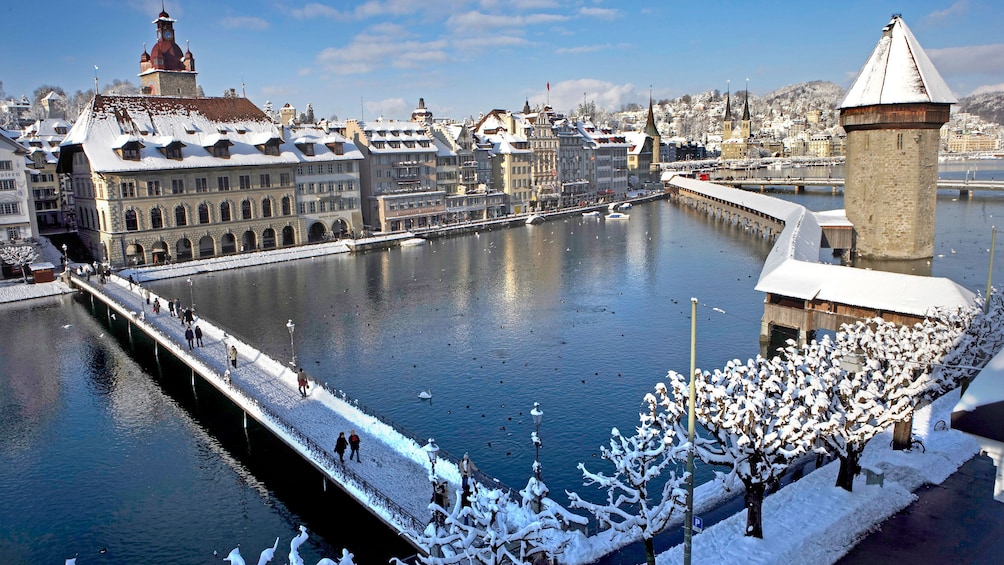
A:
(61, 130)
(306, 148)
(221, 150)
(130, 151)
(338, 148)
(173, 150)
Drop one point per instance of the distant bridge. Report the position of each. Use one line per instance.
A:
(798, 184)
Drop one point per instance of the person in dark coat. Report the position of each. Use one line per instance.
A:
(198, 335)
(233, 356)
(190, 336)
(340, 446)
(177, 306)
(354, 445)
(170, 307)
(189, 316)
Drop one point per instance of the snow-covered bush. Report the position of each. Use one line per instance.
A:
(19, 256)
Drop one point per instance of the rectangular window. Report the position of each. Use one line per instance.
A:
(284, 179)
(177, 186)
(10, 208)
(299, 187)
(320, 206)
(303, 209)
(7, 184)
(338, 167)
(128, 189)
(222, 183)
(899, 141)
(153, 188)
(245, 182)
(265, 181)
(348, 167)
(6, 166)
(221, 151)
(201, 185)
(341, 187)
(331, 168)
(310, 169)
(310, 188)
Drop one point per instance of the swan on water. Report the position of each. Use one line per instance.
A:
(425, 395)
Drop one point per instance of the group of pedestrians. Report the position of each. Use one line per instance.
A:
(193, 336)
(352, 444)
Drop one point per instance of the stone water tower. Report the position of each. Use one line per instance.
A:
(892, 115)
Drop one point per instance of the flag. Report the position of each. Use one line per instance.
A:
(548, 86)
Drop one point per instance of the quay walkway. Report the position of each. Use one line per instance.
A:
(798, 184)
(393, 479)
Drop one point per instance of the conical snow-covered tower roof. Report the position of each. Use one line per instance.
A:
(898, 72)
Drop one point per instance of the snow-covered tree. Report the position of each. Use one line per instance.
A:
(640, 461)
(492, 529)
(761, 416)
(19, 256)
(983, 339)
(308, 114)
(269, 110)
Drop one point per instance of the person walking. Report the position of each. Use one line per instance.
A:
(467, 469)
(354, 446)
(156, 306)
(340, 446)
(198, 335)
(301, 381)
(190, 336)
(177, 306)
(189, 316)
(233, 356)
(170, 307)
(132, 281)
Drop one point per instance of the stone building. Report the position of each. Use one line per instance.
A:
(892, 114)
(163, 178)
(17, 214)
(327, 180)
(166, 70)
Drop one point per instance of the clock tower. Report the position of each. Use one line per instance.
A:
(166, 70)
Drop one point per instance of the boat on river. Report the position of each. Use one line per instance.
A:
(592, 214)
(617, 216)
(534, 219)
(412, 241)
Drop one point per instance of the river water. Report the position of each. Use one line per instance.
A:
(104, 447)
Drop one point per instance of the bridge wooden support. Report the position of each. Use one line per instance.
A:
(799, 188)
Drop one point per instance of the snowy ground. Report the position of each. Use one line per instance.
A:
(812, 521)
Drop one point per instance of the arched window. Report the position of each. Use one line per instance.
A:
(225, 212)
(266, 207)
(156, 219)
(203, 213)
(287, 206)
(130, 218)
(180, 217)
(246, 210)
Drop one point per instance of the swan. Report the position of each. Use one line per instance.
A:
(235, 557)
(294, 546)
(425, 395)
(268, 553)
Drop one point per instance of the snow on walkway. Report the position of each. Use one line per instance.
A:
(393, 465)
(813, 522)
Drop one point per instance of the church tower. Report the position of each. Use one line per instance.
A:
(653, 133)
(422, 115)
(745, 124)
(166, 70)
(892, 115)
(727, 118)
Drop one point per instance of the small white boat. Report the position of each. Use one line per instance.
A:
(624, 206)
(617, 216)
(412, 241)
(534, 219)
(612, 206)
(592, 214)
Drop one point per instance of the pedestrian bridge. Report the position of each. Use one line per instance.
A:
(392, 481)
(966, 187)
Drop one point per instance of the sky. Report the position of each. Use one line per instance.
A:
(365, 59)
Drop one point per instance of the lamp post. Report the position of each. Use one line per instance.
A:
(291, 326)
(66, 259)
(538, 415)
(432, 450)
(191, 292)
(688, 526)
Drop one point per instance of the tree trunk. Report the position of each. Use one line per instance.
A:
(902, 433)
(754, 510)
(649, 551)
(848, 469)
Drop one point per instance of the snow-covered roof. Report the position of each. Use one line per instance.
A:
(198, 123)
(980, 411)
(898, 72)
(793, 269)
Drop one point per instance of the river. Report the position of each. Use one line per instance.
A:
(106, 448)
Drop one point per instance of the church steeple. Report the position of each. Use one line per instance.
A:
(727, 117)
(653, 132)
(746, 113)
(167, 70)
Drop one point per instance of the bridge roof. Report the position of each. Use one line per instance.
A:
(898, 72)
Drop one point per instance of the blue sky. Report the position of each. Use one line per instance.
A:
(376, 58)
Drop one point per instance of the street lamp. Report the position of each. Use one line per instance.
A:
(291, 326)
(66, 259)
(537, 415)
(191, 292)
(432, 450)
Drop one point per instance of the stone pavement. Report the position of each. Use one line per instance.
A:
(955, 522)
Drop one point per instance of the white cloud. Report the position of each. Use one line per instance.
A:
(315, 10)
(391, 108)
(590, 48)
(369, 52)
(304, 71)
(482, 22)
(989, 88)
(568, 94)
(936, 17)
(972, 59)
(244, 22)
(602, 13)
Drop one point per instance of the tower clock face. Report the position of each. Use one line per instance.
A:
(169, 35)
